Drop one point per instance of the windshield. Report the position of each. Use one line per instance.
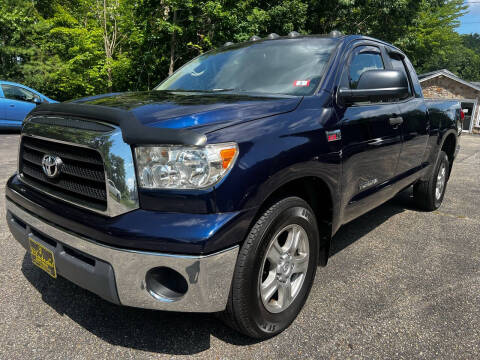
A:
(286, 66)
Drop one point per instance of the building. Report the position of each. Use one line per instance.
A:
(443, 84)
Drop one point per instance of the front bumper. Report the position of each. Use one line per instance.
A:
(119, 275)
(143, 230)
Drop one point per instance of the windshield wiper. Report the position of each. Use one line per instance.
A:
(220, 90)
(210, 90)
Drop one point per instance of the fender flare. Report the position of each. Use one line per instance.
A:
(310, 169)
(435, 152)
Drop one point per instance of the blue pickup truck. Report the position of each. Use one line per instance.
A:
(220, 190)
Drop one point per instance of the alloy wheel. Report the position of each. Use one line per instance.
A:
(284, 268)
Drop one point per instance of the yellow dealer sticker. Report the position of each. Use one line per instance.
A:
(43, 258)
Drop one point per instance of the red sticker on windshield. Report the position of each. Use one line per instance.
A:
(301, 83)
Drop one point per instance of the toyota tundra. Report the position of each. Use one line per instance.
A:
(220, 190)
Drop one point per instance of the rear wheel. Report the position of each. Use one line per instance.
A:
(275, 270)
(429, 194)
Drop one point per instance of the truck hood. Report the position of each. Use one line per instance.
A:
(189, 110)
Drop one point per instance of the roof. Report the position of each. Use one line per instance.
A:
(334, 34)
(276, 37)
(449, 74)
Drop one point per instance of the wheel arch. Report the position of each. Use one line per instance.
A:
(449, 145)
(446, 141)
(318, 193)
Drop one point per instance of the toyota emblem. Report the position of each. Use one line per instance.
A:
(52, 165)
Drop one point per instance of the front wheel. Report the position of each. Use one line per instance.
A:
(275, 270)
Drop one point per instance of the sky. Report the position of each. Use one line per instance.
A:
(470, 23)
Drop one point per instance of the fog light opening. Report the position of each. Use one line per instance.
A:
(166, 284)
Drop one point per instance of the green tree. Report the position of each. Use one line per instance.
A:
(17, 24)
(74, 48)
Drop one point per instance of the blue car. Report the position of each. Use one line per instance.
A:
(16, 101)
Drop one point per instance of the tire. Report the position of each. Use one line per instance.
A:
(246, 312)
(426, 194)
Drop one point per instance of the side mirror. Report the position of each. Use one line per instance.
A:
(377, 85)
(37, 100)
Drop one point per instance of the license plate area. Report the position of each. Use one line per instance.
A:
(42, 257)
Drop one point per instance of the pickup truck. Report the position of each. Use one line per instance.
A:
(220, 190)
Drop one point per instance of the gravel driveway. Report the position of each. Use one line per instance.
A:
(399, 284)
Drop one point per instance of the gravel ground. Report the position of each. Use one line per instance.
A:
(399, 284)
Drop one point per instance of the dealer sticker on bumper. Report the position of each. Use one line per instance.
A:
(42, 257)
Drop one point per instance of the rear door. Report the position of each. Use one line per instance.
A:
(415, 126)
(370, 144)
(18, 101)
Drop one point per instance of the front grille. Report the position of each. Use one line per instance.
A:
(71, 123)
(82, 178)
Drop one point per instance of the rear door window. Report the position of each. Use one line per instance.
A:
(398, 64)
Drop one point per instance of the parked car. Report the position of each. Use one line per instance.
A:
(235, 173)
(16, 101)
(113, 190)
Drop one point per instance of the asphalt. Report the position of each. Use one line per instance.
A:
(400, 283)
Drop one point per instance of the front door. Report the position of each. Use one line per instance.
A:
(19, 102)
(370, 144)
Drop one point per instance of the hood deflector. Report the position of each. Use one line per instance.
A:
(133, 131)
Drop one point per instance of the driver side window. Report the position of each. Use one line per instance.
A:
(364, 58)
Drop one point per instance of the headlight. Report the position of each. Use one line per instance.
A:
(183, 167)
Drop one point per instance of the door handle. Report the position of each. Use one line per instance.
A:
(396, 121)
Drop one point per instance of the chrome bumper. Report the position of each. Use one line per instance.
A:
(208, 277)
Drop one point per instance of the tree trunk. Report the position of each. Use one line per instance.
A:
(172, 45)
(109, 76)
